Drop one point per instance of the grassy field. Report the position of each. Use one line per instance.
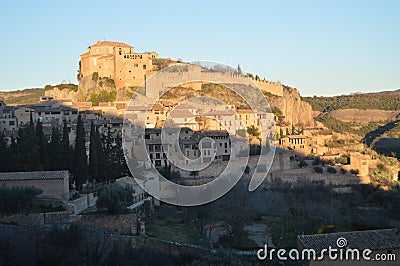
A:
(170, 224)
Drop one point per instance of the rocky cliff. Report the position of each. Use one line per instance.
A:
(293, 108)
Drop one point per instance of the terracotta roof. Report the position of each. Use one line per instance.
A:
(369, 239)
(181, 114)
(37, 175)
(109, 43)
(244, 111)
(219, 112)
(296, 137)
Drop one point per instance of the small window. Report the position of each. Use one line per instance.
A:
(144, 66)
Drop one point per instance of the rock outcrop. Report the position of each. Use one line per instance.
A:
(293, 108)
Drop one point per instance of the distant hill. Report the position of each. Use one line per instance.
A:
(26, 96)
(29, 96)
(380, 101)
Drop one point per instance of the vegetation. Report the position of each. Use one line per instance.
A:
(114, 198)
(381, 101)
(103, 96)
(26, 96)
(80, 169)
(31, 151)
(318, 169)
(68, 86)
(331, 170)
(16, 199)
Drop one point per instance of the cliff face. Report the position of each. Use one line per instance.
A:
(295, 110)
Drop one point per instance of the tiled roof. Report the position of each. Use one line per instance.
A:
(296, 137)
(370, 239)
(183, 113)
(109, 43)
(37, 175)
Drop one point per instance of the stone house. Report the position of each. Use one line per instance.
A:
(54, 184)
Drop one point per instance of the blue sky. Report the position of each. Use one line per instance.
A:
(320, 47)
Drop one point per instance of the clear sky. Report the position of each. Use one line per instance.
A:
(320, 47)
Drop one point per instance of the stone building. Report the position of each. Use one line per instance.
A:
(385, 243)
(117, 61)
(54, 184)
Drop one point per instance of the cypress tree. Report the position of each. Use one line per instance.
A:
(41, 143)
(28, 150)
(3, 153)
(55, 161)
(80, 159)
(93, 153)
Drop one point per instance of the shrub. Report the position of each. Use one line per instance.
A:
(317, 161)
(303, 164)
(331, 170)
(343, 171)
(354, 171)
(15, 199)
(318, 169)
(114, 198)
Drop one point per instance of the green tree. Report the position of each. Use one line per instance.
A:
(55, 151)
(42, 145)
(93, 153)
(28, 150)
(114, 198)
(4, 155)
(253, 131)
(66, 150)
(80, 159)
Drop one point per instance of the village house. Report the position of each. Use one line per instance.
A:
(385, 242)
(54, 184)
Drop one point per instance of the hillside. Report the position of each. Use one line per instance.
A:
(380, 101)
(26, 96)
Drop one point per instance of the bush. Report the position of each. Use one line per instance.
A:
(303, 164)
(318, 169)
(114, 198)
(354, 171)
(16, 199)
(331, 170)
(317, 161)
(343, 171)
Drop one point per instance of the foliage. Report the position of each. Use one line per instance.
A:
(381, 101)
(103, 96)
(26, 96)
(114, 198)
(354, 171)
(331, 170)
(253, 131)
(318, 169)
(80, 169)
(303, 164)
(343, 171)
(15, 199)
(68, 86)
(95, 76)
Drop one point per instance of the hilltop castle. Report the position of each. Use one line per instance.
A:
(117, 61)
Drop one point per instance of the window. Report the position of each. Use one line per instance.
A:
(120, 51)
(136, 65)
(144, 66)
